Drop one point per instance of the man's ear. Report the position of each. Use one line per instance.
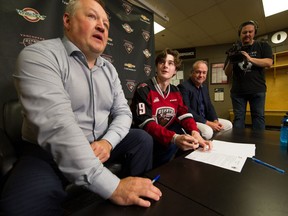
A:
(66, 21)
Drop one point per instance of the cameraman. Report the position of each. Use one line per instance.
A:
(248, 78)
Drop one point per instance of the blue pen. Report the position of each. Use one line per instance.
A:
(155, 179)
(267, 165)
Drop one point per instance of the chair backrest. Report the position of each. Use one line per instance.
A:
(10, 136)
(8, 155)
(12, 122)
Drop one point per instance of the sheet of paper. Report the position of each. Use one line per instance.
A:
(231, 148)
(227, 155)
(230, 162)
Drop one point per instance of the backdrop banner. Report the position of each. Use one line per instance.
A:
(130, 46)
(131, 43)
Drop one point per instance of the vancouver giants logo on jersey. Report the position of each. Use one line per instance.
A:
(164, 115)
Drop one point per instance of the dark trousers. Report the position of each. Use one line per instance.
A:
(135, 153)
(36, 186)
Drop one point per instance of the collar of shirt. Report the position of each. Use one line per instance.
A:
(73, 50)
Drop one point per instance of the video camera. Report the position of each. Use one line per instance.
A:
(234, 54)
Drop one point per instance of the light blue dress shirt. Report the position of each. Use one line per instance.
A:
(67, 106)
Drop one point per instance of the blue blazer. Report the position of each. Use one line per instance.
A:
(190, 97)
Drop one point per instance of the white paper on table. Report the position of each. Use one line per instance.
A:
(227, 155)
(230, 162)
(231, 148)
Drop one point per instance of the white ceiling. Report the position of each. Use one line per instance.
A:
(194, 23)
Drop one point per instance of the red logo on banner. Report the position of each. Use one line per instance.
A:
(146, 35)
(30, 14)
(108, 57)
(128, 8)
(29, 39)
(147, 70)
(128, 46)
(130, 85)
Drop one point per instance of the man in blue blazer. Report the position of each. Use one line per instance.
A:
(196, 97)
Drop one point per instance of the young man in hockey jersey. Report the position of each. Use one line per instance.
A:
(158, 108)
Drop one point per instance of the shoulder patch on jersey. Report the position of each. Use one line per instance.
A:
(142, 85)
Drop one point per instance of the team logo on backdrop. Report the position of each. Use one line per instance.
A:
(30, 14)
(130, 85)
(129, 66)
(128, 46)
(127, 28)
(164, 115)
(146, 53)
(147, 70)
(110, 41)
(145, 19)
(127, 7)
(108, 58)
(146, 35)
(29, 39)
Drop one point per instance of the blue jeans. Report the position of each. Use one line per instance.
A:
(257, 104)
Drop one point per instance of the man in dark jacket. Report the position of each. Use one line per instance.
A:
(196, 97)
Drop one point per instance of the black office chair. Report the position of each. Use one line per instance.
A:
(7, 155)
(11, 147)
(10, 136)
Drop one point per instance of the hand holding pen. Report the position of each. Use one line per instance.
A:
(205, 144)
(186, 142)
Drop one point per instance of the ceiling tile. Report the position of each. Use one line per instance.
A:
(210, 22)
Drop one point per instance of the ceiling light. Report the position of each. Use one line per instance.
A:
(272, 7)
(158, 28)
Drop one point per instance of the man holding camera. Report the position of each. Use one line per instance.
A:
(247, 67)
